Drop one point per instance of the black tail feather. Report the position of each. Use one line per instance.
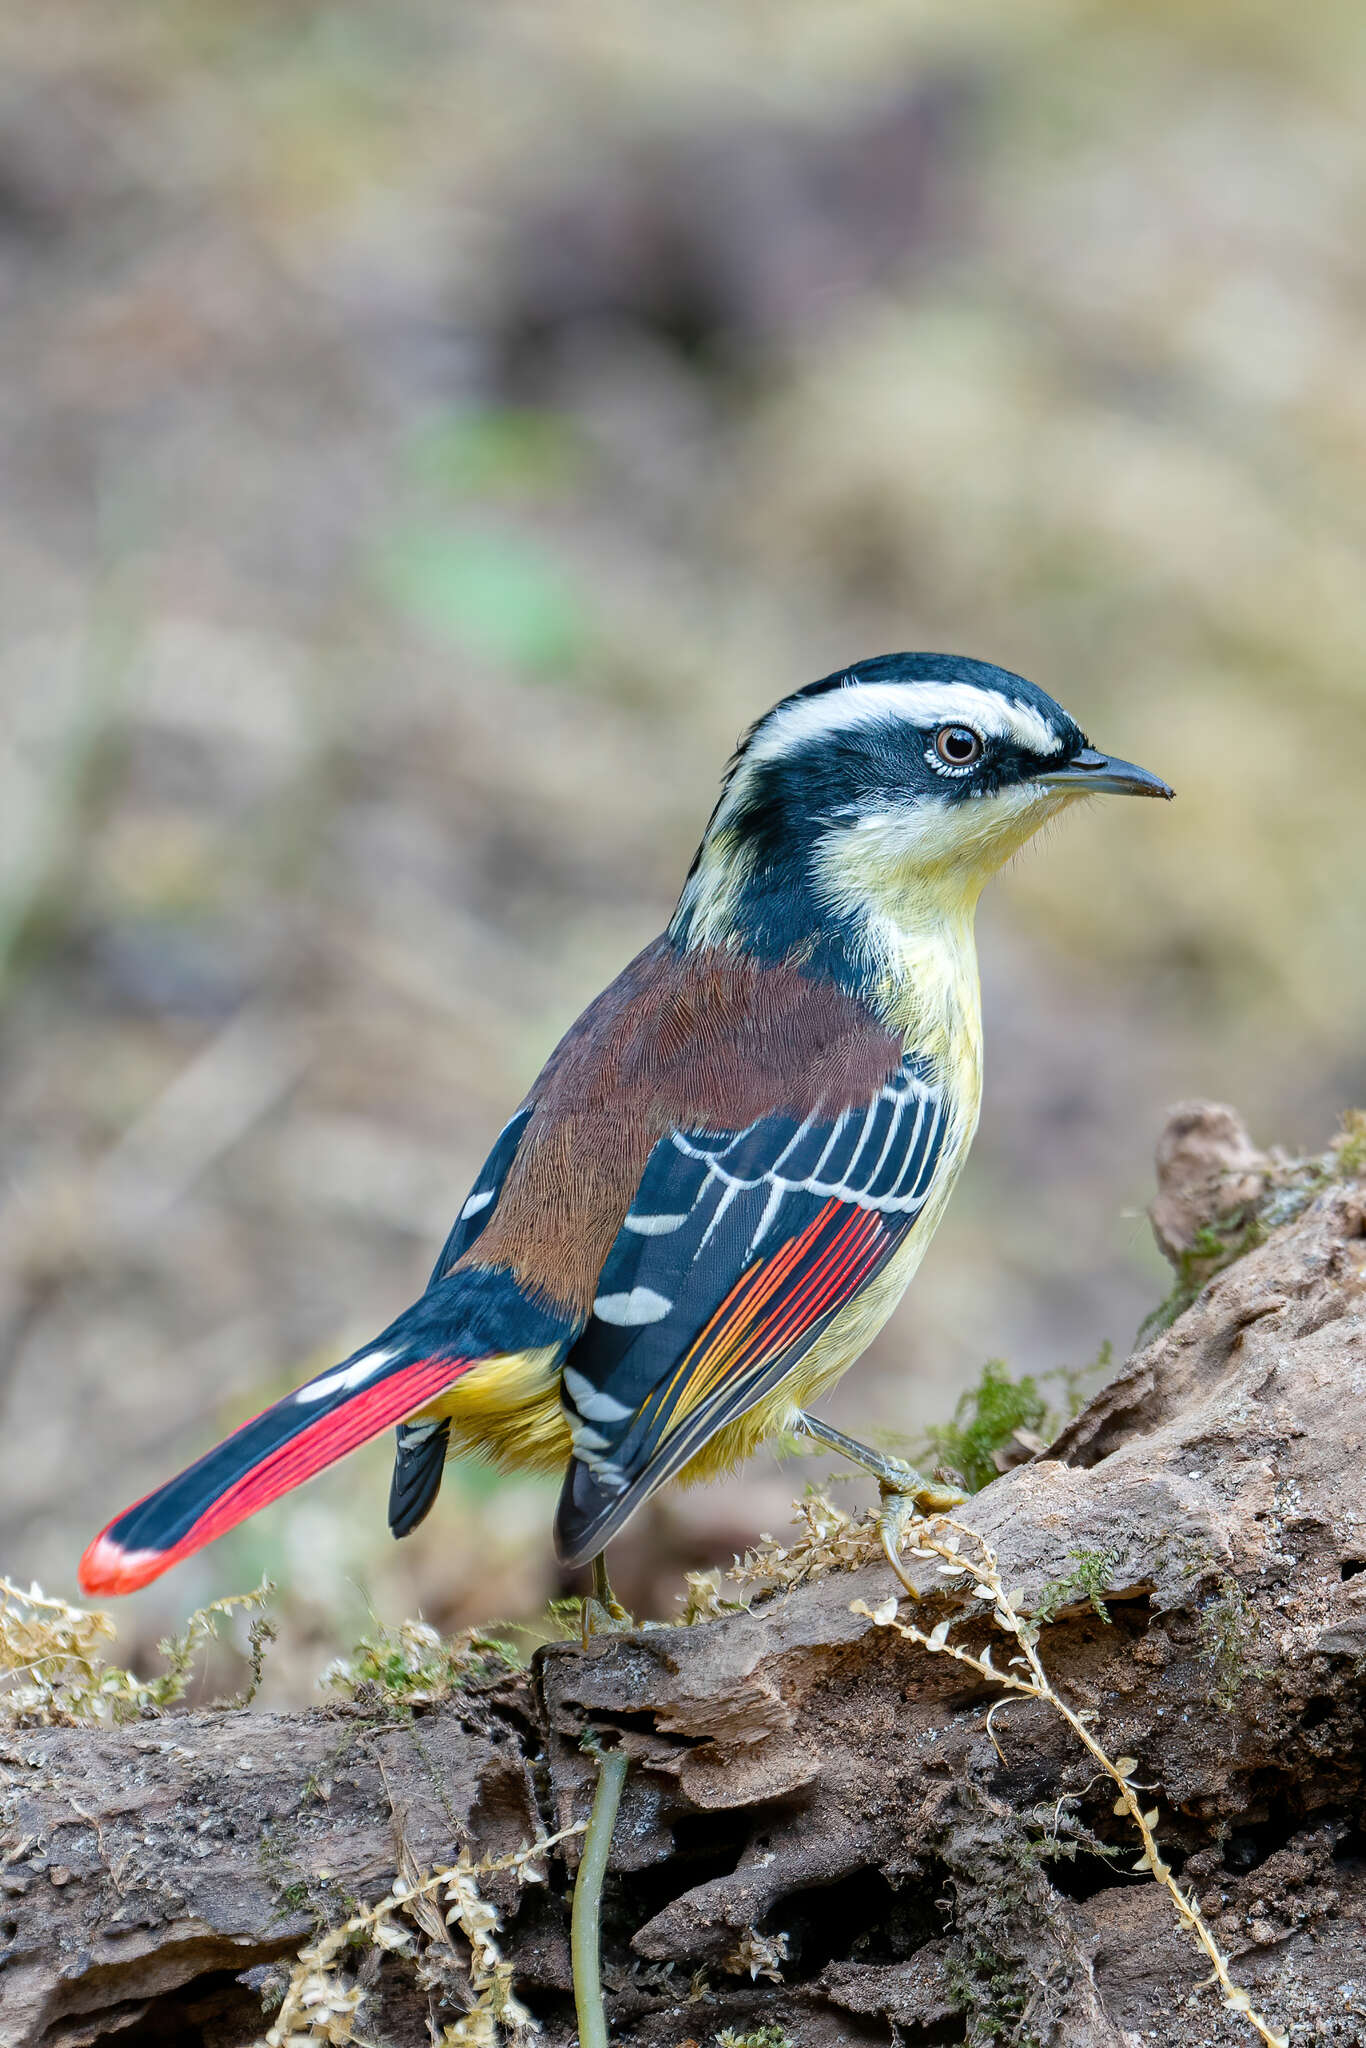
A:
(419, 1462)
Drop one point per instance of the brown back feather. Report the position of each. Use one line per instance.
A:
(680, 1040)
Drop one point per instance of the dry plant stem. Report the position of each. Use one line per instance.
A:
(586, 1922)
(1037, 1685)
(53, 1671)
(316, 2010)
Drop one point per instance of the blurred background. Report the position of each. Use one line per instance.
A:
(428, 434)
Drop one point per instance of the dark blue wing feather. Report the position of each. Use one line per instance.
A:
(421, 1446)
(479, 1204)
(737, 1251)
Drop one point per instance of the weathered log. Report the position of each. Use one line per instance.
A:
(811, 1794)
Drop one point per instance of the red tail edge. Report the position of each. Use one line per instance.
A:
(110, 1567)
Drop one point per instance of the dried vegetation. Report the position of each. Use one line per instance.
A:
(54, 1671)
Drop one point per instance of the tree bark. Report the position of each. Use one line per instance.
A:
(805, 1780)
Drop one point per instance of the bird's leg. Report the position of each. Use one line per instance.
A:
(603, 1613)
(903, 1489)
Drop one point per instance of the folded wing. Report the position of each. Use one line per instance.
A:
(738, 1250)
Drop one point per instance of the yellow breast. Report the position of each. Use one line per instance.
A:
(930, 994)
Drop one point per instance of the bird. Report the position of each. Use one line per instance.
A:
(729, 1169)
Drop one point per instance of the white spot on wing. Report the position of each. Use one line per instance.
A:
(476, 1203)
(590, 1401)
(586, 1440)
(653, 1226)
(641, 1305)
(411, 1434)
(608, 1476)
(345, 1377)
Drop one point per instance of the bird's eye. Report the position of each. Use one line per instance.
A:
(958, 746)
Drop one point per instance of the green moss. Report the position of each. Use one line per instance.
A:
(993, 1994)
(1227, 1636)
(989, 1415)
(563, 1619)
(766, 2037)
(53, 1671)
(1216, 1247)
(1087, 1581)
(1291, 1186)
(414, 1666)
(985, 1421)
(1078, 1383)
(1350, 1149)
(276, 1857)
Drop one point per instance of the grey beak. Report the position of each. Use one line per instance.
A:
(1093, 774)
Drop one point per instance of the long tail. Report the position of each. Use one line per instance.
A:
(319, 1422)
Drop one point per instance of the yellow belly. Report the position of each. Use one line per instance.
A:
(508, 1410)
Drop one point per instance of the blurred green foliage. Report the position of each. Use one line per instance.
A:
(495, 595)
(505, 453)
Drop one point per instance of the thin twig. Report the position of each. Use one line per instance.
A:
(586, 1921)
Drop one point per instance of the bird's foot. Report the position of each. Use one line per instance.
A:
(927, 1496)
(602, 1613)
(604, 1618)
(907, 1496)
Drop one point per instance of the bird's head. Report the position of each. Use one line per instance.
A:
(894, 789)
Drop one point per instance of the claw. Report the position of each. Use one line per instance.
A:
(604, 1618)
(602, 1613)
(907, 1496)
(933, 1499)
(928, 1495)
